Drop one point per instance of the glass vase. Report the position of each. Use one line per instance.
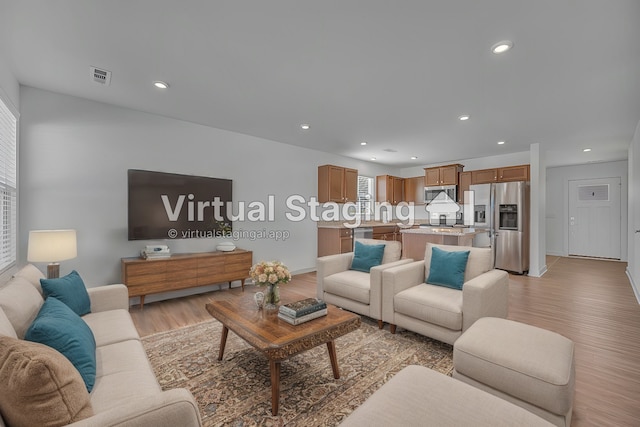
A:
(271, 297)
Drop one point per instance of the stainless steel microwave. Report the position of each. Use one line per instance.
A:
(430, 193)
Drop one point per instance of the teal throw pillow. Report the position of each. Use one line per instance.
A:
(447, 268)
(366, 256)
(58, 327)
(70, 290)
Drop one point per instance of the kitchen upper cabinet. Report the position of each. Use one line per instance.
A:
(389, 189)
(414, 190)
(337, 184)
(463, 185)
(484, 176)
(442, 175)
(513, 173)
(505, 174)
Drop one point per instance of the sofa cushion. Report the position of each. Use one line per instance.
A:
(60, 328)
(366, 256)
(433, 304)
(447, 268)
(123, 374)
(40, 387)
(419, 396)
(480, 259)
(20, 302)
(529, 363)
(111, 326)
(32, 274)
(350, 284)
(69, 289)
(6, 328)
(392, 249)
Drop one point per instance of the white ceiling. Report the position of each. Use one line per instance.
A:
(396, 74)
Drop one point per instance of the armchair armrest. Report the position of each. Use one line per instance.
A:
(397, 279)
(169, 408)
(328, 265)
(109, 297)
(375, 283)
(485, 296)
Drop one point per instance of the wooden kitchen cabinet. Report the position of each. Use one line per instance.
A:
(463, 185)
(505, 174)
(337, 184)
(442, 175)
(484, 176)
(387, 232)
(333, 241)
(414, 190)
(389, 189)
(513, 173)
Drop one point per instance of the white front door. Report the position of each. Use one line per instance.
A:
(594, 217)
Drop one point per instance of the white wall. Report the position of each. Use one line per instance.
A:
(557, 212)
(633, 266)
(74, 156)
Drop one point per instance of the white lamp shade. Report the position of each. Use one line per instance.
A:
(52, 245)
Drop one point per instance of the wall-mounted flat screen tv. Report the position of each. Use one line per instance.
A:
(172, 206)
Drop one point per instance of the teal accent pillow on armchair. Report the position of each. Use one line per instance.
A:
(70, 290)
(447, 268)
(58, 327)
(366, 256)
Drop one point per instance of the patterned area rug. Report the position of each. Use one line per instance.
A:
(236, 391)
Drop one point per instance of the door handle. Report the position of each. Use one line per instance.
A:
(637, 231)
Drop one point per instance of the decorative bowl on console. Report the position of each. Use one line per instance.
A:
(226, 246)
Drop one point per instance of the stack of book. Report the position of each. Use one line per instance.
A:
(302, 311)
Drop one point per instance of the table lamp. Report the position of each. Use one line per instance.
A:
(52, 246)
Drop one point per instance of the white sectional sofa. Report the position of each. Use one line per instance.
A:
(126, 392)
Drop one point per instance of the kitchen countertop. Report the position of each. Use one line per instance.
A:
(341, 224)
(449, 231)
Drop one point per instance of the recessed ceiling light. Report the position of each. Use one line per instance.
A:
(414, 157)
(502, 47)
(500, 142)
(363, 143)
(586, 150)
(373, 158)
(464, 117)
(161, 85)
(305, 126)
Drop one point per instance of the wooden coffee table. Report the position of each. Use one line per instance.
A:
(277, 339)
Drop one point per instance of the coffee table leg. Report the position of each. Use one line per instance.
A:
(331, 346)
(223, 341)
(274, 367)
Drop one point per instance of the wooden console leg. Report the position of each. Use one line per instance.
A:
(141, 302)
(242, 283)
(392, 328)
(274, 367)
(380, 324)
(223, 341)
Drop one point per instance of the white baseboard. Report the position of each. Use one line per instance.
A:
(633, 285)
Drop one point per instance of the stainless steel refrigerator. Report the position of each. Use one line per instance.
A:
(501, 210)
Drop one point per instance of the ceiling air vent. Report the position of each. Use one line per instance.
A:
(100, 76)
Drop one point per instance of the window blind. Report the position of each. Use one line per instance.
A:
(8, 187)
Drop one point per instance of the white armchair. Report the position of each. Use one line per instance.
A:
(355, 290)
(440, 312)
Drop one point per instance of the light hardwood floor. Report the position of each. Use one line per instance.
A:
(588, 301)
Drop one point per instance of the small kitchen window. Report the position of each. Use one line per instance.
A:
(365, 195)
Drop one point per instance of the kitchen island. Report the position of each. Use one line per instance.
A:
(414, 240)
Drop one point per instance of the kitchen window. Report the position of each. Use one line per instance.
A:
(365, 195)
